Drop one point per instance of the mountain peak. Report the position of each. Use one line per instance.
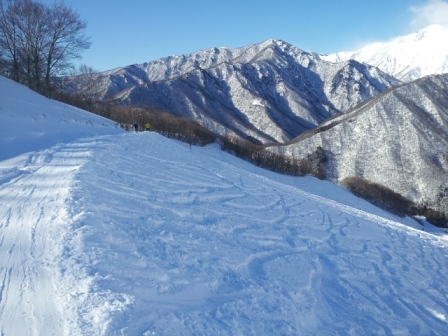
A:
(406, 57)
(429, 31)
(274, 41)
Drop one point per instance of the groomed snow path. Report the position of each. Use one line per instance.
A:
(34, 220)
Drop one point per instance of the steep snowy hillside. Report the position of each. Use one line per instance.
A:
(270, 91)
(136, 234)
(398, 139)
(408, 57)
(30, 122)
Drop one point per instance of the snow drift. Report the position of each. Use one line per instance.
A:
(32, 122)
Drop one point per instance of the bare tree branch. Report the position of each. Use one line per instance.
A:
(38, 41)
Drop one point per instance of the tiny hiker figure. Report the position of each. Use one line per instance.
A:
(135, 127)
(148, 126)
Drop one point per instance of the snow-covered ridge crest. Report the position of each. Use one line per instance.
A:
(170, 67)
(407, 57)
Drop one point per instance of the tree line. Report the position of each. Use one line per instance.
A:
(38, 41)
(280, 163)
(137, 117)
(392, 201)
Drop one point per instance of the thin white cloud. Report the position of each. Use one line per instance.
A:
(432, 12)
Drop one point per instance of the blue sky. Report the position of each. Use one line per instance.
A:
(129, 32)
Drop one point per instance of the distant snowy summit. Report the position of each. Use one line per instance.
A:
(407, 57)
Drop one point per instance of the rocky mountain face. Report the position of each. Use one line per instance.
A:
(398, 139)
(269, 91)
(407, 57)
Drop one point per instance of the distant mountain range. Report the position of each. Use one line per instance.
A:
(390, 130)
(269, 91)
(407, 57)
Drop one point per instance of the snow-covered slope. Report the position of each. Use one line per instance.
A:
(398, 139)
(136, 234)
(408, 57)
(295, 90)
(30, 122)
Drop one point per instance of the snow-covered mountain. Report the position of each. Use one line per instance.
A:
(269, 91)
(104, 232)
(398, 139)
(407, 57)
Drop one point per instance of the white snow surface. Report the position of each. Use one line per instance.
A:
(110, 233)
(406, 57)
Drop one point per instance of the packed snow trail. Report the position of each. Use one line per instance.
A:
(34, 217)
(37, 166)
(42, 291)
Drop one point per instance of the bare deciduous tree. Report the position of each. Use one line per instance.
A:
(39, 41)
(85, 79)
(65, 39)
(9, 41)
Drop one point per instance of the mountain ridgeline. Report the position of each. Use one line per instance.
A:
(368, 123)
(269, 91)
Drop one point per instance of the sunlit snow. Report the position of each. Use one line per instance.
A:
(406, 57)
(104, 232)
(257, 102)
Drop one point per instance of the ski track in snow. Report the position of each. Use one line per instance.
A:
(137, 235)
(34, 215)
